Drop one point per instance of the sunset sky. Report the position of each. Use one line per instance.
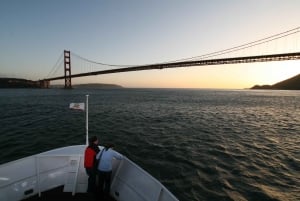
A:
(34, 33)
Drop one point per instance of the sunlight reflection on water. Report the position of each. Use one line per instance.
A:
(202, 144)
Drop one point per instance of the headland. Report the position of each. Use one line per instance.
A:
(292, 83)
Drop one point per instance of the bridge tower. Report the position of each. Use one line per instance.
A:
(67, 66)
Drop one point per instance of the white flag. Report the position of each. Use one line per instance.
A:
(77, 106)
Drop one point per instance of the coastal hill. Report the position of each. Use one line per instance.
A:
(96, 86)
(23, 83)
(292, 83)
(17, 83)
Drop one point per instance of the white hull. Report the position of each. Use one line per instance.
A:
(33, 175)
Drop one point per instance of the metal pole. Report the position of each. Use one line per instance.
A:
(87, 119)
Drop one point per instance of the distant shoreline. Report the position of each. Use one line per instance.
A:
(96, 86)
(16, 83)
(292, 83)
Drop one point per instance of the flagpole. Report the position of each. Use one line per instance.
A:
(87, 119)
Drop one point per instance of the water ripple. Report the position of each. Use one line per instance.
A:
(202, 144)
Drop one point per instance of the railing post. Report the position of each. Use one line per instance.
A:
(37, 166)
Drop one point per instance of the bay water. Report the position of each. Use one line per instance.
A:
(241, 145)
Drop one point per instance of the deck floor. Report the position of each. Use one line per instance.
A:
(57, 194)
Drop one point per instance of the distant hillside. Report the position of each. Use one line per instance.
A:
(97, 86)
(23, 83)
(17, 83)
(289, 84)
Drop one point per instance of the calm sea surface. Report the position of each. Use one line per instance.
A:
(201, 144)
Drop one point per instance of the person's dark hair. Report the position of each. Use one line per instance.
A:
(92, 139)
(109, 145)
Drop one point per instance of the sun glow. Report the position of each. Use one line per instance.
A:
(273, 72)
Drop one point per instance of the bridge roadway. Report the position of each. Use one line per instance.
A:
(234, 60)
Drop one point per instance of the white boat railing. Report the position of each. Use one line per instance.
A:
(33, 175)
(133, 183)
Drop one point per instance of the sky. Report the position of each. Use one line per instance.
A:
(34, 33)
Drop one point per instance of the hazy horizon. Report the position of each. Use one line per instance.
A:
(35, 33)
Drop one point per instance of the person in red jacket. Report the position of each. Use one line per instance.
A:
(89, 163)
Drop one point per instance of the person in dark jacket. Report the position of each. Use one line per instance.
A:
(90, 162)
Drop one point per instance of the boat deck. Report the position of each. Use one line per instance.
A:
(58, 194)
(64, 168)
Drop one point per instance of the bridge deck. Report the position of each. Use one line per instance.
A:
(234, 60)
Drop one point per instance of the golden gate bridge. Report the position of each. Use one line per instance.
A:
(203, 60)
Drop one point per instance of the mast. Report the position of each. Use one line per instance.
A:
(87, 119)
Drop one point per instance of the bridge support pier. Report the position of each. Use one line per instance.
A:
(67, 67)
(44, 84)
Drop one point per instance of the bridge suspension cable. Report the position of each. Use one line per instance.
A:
(244, 46)
(104, 64)
(209, 55)
(193, 61)
(57, 66)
